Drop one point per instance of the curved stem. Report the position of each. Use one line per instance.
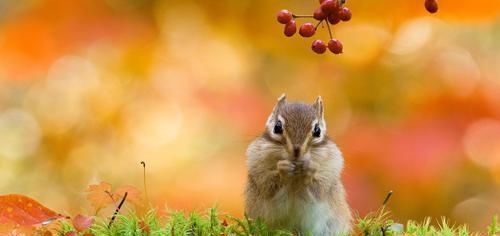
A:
(144, 179)
(329, 30)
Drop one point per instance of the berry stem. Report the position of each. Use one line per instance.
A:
(302, 16)
(329, 30)
(319, 23)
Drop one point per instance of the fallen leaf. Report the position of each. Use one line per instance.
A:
(99, 195)
(21, 230)
(133, 194)
(82, 223)
(24, 211)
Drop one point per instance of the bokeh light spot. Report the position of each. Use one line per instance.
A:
(412, 36)
(482, 142)
(20, 134)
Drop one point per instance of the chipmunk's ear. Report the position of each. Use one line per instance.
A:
(318, 106)
(281, 102)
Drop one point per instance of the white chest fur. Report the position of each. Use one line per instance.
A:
(303, 213)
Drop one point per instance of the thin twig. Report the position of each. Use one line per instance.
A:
(387, 198)
(382, 209)
(118, 209)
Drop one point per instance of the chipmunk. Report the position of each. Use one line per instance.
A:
(294, 173)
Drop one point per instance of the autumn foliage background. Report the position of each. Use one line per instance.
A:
(90, 88)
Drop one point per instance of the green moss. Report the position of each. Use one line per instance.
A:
(212, 223)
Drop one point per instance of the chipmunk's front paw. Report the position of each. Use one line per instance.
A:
(286, 168)
(306, 168)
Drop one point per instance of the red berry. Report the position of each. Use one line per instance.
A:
(329, 6)
(290, 28)
(319, 14)
(431, 6)
(335, 46)
(333, 19)
(345, 14)
(307, 30)
(71, 233)
(318, 46)
(284, 16)
(321, 1)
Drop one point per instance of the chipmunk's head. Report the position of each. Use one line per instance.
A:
(296, 126)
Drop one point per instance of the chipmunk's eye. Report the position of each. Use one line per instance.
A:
(278, 128)
(316, 131)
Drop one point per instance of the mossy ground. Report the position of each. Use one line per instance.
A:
(214, 224)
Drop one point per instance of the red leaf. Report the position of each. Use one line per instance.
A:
(99, 195)
(8, 228)
(22, 210)
(82, 223)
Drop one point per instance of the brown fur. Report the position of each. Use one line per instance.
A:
(304, 192)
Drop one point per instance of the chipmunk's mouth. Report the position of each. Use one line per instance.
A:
(300, 155)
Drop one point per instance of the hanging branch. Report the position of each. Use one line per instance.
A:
(330, 12)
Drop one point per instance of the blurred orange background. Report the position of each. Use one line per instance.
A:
(89, 88)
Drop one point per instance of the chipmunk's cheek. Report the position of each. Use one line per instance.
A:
(318, 140)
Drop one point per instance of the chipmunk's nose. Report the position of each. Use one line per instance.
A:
(296, 151)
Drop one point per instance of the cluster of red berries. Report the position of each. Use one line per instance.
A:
(431, 6)
(330, 11)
